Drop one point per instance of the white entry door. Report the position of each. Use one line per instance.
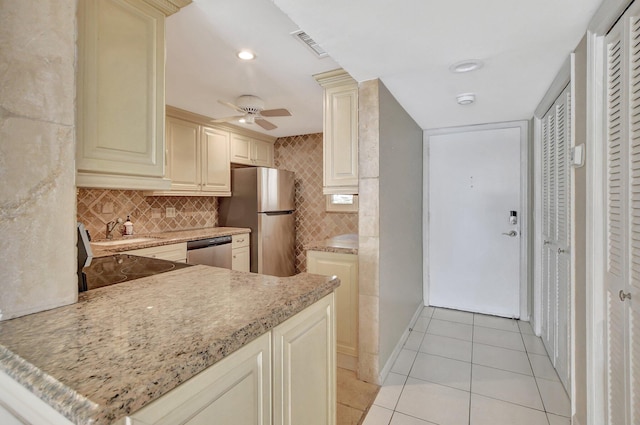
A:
(474, 249)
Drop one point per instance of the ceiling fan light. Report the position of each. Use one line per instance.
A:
(242, 120)
(246, 55)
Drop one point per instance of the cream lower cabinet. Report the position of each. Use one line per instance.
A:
(236, 390)
(345, 266)
(248, 151)
(240, 253)
(304, 367)
(174, 252)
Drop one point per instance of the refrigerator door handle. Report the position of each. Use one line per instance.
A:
(278, 212)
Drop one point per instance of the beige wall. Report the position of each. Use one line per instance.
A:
(390, 225)
(579, 318)
(400, 221)
(97, 207)
(37, 149)
(303, 155)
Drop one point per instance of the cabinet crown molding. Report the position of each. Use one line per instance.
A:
(335, 77)
(168, 7)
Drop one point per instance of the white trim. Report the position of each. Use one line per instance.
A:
(537, 226)
(571, 352)
(524, 202)
(396, 351)
(557, 87)
(425, 219)
(606, 15)
(595, 229)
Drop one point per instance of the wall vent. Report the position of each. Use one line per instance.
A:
(305, 39)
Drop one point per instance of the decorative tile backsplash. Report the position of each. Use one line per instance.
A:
(303, 156)
(300, 154)
(96, 207)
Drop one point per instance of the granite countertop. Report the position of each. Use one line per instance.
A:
(123, 346)
(164, 238)
(343, 244)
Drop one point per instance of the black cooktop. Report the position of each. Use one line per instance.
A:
(105, 271)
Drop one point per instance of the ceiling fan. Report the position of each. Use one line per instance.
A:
(252, 110)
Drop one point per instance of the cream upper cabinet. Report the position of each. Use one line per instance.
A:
(340, 132)
(120, 131)
(345, 266)
(249, 151)
(197, 160)
(183, 153)
(304, 367)
(214, 161)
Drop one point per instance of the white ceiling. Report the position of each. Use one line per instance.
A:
(202, 67)
(408, 44)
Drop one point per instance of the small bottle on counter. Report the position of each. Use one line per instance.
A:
(128, 227)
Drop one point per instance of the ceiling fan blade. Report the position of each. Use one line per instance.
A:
(265, 124)
(227, 119)
(230, 105)
(275, 113)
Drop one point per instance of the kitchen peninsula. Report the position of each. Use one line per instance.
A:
(133, 350)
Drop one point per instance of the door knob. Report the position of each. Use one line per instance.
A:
(561, 251)
(623, 296)
(512, 234)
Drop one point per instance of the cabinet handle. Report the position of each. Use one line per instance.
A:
(234, 256)
(240, 240)
(624, 296)
(546, 242)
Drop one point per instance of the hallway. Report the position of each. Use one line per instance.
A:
(459, 368)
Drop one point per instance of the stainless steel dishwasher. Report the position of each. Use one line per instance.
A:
(210, 252)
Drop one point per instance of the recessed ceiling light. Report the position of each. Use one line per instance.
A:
(246, 55)
(466, 66)
(466, 98)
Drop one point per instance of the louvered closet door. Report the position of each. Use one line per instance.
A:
(556, 260)
(622, 220)
(563, 234)
(549, 220)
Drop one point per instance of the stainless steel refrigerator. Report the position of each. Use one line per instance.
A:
(263, 200)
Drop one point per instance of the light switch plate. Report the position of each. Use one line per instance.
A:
(577, 156)
(170, 212)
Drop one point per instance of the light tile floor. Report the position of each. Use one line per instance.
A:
(460, 368)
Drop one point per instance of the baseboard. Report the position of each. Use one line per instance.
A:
(396, 351)
(346, 361)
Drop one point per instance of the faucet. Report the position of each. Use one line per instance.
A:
(111, 226)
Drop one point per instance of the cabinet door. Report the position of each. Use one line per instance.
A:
(341, 139)
(305, 367)
(241, 259)
(216, 170)
(262, 153)
(241, 149)
(120, 93)
(236, 390)
(345, 266)
(183, 167)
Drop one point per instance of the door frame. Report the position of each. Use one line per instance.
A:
(525, 204)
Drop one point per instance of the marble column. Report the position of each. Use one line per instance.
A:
(37, 151)
(369, 230)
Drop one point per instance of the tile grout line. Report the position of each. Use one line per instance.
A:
(535, 380)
